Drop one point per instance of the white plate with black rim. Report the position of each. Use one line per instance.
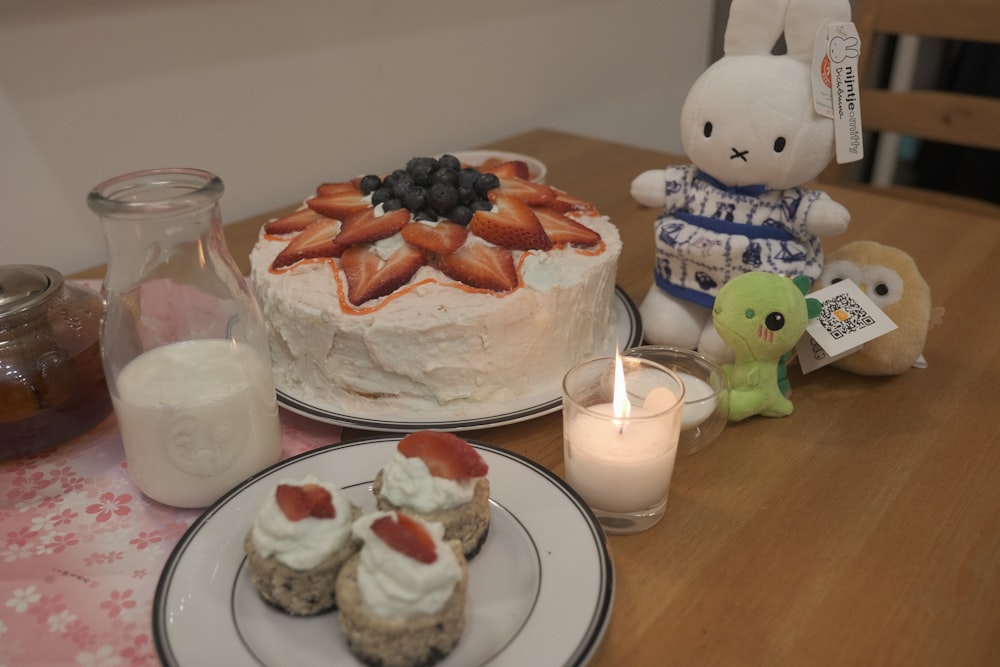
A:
(545, 400)
(540, 590)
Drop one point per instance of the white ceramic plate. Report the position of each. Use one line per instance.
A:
(534, 404)
(540, 590)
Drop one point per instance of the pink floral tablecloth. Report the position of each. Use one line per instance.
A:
(81, 550)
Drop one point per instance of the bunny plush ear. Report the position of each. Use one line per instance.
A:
(805, 17)
(755, 25)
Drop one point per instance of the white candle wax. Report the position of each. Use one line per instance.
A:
(696, 408)
(620, 465)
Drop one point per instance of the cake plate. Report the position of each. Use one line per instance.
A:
(542, 402)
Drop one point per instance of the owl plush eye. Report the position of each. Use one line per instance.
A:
(834, 272)
(882, 285)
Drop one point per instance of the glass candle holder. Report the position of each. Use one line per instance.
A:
(706, 393)
(621, 423)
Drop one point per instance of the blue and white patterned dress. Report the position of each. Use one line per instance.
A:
(710, 233)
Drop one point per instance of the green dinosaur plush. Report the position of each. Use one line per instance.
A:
(761, 316)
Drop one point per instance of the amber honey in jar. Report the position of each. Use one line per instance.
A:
(52, 386)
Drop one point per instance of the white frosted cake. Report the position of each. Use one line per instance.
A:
(375, 306)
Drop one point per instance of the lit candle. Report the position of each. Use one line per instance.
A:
(620, 456)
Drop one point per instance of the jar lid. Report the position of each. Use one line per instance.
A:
(24, 286)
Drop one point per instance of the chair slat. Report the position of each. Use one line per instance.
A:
(953, 118)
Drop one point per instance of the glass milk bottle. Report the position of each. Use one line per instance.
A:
(183, 341)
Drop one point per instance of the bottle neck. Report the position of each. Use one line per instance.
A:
(160, 222)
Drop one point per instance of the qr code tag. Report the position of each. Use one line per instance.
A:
(848, 319)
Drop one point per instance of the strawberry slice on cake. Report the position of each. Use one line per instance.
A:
(315, 241)
(479, 265)
(567, 203)
(330, 189)
(367, 226)
(529, 192)
(293, 222)
(338, 200)
(511, 224)
(442, 238)
(369, 276)
(563, 230)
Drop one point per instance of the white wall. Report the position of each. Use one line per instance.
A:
(277, 96)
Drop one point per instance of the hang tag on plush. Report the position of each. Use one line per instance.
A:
(843, 50)
(848, 319)
(821, 81)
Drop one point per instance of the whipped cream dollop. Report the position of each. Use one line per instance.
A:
(305, 543)
(407, 482)
(393, 584)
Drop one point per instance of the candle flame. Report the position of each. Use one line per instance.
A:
(620, 405)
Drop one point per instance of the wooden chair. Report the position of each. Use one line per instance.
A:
(933, 115)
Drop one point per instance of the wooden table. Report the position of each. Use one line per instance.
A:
(864, 528)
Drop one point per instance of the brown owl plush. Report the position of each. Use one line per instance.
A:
(890, 278)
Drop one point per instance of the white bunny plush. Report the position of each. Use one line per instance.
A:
(753, 137)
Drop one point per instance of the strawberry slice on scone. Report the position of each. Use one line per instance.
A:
(299, 502)
(445, 454)
(406, 535)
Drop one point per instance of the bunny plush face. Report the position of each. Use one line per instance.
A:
(747, 121)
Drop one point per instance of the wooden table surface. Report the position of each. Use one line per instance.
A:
(862, 529)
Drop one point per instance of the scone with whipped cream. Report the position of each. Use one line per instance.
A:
(402, 597)
(441, 478)
(301, 537)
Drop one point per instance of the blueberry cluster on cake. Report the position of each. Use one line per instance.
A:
(436, 286)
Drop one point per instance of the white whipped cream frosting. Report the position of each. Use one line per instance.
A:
(438, 349)
(407, 482)
(305, 543)
(393, 584)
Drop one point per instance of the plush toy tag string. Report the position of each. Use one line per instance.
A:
(837, 86)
